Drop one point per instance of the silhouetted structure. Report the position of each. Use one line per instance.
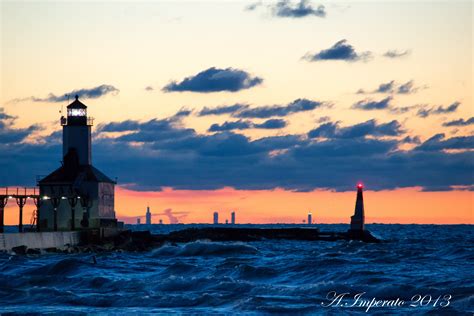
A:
(216, 218)
(358, 219)
(161, 222)
(138, 221)
(148, 216)
(20, 196)
(76, 181)
(232, 218)
(310, 218)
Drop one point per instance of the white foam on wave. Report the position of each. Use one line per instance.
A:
(200, 248)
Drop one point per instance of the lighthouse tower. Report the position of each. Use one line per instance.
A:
(358, 219)
(76, 195)
(77, 131)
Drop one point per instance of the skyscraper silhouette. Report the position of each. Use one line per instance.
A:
(148, 216)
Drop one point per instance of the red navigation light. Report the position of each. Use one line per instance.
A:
(360, 185)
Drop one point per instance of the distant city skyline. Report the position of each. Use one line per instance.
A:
(256, 108)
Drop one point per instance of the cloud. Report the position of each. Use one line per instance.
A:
(339, 51)
(393, 87)
(368, 104)
(407, 88)
(438, 110)
(368, 128)
(128, 125)
(298, 105)
(385, 87)
(215, 80)
(149, 88)
(411, 140)
(153, 124)
(10, 135)
(323, 119)
(285, 9)
(245, 124)
(271, 124)
(223, 109)
(228, 126)
(174, 217)
(460, 122)
(183, 113)
(156, 130)
(245, 111)
(402, 109)
(438, 143)
(4, 117)
(396, 54)
(92, 93)
(253, 6)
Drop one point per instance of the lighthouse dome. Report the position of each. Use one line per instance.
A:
(76, 108)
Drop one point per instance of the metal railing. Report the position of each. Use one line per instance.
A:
(89, 121)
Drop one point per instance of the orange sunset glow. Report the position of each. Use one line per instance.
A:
(404, 206)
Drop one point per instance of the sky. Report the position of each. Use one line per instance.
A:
(271, 109)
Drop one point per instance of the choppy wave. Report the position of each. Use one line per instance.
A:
(283, 277)
(200, 248)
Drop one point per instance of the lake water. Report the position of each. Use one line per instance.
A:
(281, 277)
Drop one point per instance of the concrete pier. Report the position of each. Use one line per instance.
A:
(39, 240)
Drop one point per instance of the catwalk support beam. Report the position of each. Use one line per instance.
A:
(3, 203)
(55, 201)
(72, 202)
(21, 201)
(86, 203)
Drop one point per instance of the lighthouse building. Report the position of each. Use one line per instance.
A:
(76, 195)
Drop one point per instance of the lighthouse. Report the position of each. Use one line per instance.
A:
(358, 219)
(76, 195)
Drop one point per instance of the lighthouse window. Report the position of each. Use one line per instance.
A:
(76, 112)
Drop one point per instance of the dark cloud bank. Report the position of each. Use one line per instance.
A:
(330, 156)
